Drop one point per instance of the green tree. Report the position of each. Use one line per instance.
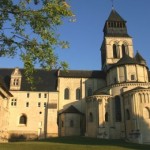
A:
(28, 28)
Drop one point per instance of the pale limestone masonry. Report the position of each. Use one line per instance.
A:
(112, 103)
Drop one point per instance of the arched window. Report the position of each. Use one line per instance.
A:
(89, 92)
(66, 93)
(127, 114)
(117, 109)
(124, 50)
(23, 119)
(106, 117)
(146, 113)
(90, 117)
(71, 123)
(78, 94)
(114, 51)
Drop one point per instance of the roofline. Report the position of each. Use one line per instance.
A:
(135, 90)
(115, 65)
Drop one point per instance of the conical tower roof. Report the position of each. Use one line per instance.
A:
(114, 16)
(140, 59)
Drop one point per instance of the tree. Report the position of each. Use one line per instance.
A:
(28, 28)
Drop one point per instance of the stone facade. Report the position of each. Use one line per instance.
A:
(112, 103)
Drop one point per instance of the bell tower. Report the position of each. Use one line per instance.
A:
(116, 42)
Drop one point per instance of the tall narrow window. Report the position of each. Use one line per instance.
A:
(90, 117)
(27, 104)
(114, 51)
(127, 114)
(45, 104)
(39, 104)
(123, 50)
(45, 95)
(28, 95)
(23, 119)
(106, 117)
(77, 94)
(71, 123)
(89, 92)
(66, 93)
(39, 95)
(117, 109)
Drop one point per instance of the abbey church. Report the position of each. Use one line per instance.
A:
(111, 103)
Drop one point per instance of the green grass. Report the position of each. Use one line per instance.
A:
(73, 143)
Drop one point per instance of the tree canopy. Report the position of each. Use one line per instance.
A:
(28, 28)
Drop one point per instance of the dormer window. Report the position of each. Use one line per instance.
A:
(16, 80)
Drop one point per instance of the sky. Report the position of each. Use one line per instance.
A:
(86, 34)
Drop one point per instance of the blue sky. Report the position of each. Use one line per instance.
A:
(86, 34)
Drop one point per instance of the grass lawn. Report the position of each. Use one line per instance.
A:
(73, 143)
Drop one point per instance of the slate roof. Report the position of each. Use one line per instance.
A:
(127, 60)
(71, 109)
(140, 59)
(45, 80)
(115, 26)
(114, 16)
(82, 74)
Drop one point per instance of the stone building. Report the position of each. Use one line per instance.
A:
(112, 103)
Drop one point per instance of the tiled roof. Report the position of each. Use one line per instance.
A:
(82, 74)
(45, 80)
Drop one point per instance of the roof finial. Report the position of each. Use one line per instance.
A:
(112, 4)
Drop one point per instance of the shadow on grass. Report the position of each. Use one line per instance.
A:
(96, 142)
